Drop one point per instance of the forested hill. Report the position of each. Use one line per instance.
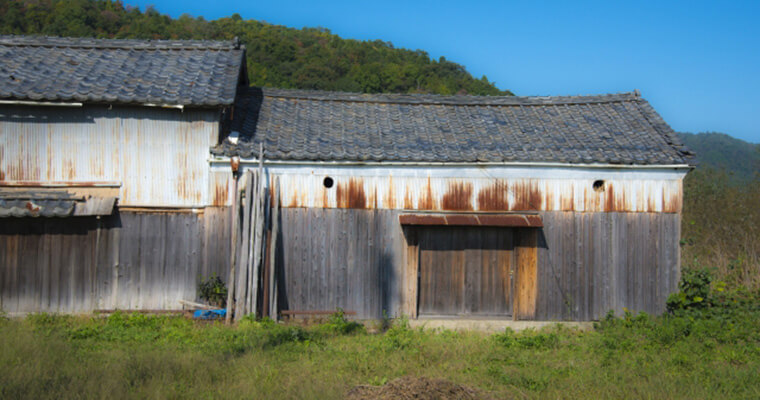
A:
(278, 56)
(739, 159)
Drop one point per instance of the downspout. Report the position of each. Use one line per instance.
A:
(235, 166)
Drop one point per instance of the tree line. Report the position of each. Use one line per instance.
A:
(277, 56)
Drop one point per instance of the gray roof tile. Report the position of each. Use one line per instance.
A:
(177, 72)
(328, 126)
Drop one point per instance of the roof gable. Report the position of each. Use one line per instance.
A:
(325, 126)
(189, 73)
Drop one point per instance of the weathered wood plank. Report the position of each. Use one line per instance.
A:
(527, 274)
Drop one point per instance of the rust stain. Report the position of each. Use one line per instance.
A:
(549, 199)
(527, 196)
(521, 221)
(494, 197)
(457, 196)
(408, 201)
(412, 219)
(462, 220)
(69, 169)
(2, 175)
(390, 197)
(426, 197)
(220, 195)
(672, 203)
(651, 205)
(351, 194)
(566, 199)
(293, 203)
(32, 207)
(325, 197)
(609, 198)
(620, 202)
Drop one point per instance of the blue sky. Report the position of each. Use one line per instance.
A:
(698, 63)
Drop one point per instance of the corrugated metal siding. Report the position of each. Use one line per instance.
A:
(482, 189)
(159, 155)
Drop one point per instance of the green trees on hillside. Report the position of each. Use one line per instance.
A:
(308, 58)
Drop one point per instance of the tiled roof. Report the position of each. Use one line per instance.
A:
(35, 204)
(313, 126)
(197, 73)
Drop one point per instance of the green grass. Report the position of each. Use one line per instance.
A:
(711, 353)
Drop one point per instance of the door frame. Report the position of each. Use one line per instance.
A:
(524, 282)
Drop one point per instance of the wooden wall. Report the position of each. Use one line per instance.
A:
(586, 263)
(340, 258)
(130, 260)
(590, 263)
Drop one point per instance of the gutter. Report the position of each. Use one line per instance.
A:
(253, 161)
(78, 104)
(40, 103)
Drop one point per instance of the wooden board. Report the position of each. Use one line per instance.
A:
(126, 261)
(466, 271)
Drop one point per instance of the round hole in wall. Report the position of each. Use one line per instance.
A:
(598, 185)
(328, 182)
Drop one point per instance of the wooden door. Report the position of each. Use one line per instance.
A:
(466, 271)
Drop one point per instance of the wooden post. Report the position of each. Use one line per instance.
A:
(242, 306)
(273, 250)
(233, 250)
(254, 206)
(253, 282)
(115, 268)
(411, 272)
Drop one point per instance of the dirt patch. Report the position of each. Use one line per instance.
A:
(416, 388)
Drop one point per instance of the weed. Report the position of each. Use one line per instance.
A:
(213, 290)
(338, 324)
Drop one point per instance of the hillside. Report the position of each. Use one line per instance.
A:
(739, 159)
(278, 56)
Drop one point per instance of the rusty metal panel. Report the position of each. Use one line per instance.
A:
(494, 189)
(472, 219)
(159, 155)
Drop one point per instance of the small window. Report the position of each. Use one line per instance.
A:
(598, 185)
(328, 182)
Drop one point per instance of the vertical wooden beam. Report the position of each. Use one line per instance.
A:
(241, 305)
(527, 282)
(253, 282)
(411, 273)
(233, 249)
(273, 250)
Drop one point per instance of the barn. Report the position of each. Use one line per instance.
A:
(107, 200)
(525, 208)
(130, 170)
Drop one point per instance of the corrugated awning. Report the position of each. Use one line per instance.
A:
(52, 203)
(464, 219)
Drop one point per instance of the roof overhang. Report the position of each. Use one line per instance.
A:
(24, 199)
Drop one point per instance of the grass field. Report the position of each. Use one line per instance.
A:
(712, 352)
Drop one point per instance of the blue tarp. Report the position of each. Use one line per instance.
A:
(209, 314)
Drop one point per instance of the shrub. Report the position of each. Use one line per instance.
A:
(214, 291)
(400, 335)
(693, 291)
(337, 323)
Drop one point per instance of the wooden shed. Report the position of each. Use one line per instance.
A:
(130, 170)
(536, 208)
(107, 199)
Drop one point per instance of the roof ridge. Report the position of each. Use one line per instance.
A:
(448, 99)
(130, 44)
